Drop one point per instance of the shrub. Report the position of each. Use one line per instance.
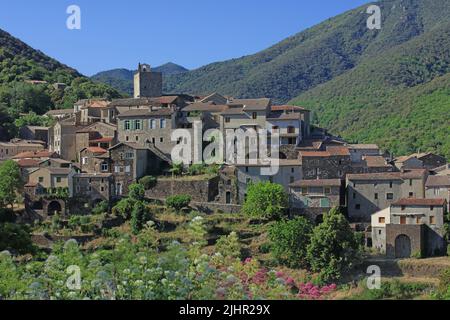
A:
(148, 182)
(178, 202)
(265, 200)
(289, 241)
(100, 208)
(229, 246)
(136, 192)
(123, 208)
(334, 248)
(139, 217)
(448, 250)
(196, 169)
(15, 238)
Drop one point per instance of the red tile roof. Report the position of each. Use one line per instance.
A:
(96, 150)
(27, 163)
(331, 151)
(420, 202)
(317, 183)
(37, 154)
(410, 174)
(102, 140)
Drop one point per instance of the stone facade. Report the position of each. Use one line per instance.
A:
(370, 193)
(403, 241)
(94, 188)
(335, 163)
(201, 189)
(147, 83)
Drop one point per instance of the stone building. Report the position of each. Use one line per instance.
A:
(131, 161)
(410, 227)
(146, 127)
(89, 111)
(9, 150)
(99, 134)
(147, 83)
(62, 139)
(94, 160)
(359, 151)
(438, 187)
(370, 193)
(289, 172)
(34, 133)
(93, 188)
(334, 163)
(315, 198)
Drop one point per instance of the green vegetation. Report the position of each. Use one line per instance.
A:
(334, 249)
(10, 183)
(265, 200)
(20, 63)
(148, 182)
(178, 202)
(290, 240)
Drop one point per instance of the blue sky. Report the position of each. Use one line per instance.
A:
(117, 33)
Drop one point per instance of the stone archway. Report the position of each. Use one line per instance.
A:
(402, 247)
(54, 207)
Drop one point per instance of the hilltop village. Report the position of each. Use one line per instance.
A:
(96, 150)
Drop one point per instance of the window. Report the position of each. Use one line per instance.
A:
(127, 138)
(358, 207)
(292, 170)
(418, 220)
(432, 220)
(127, 125)
(410, 182)
(246, 169)
(127, 169)
(340, 173)
(102, 189)
(304, 190)
(389, 196)
(390, 184)
(376, 196)
(137, 125)
(255, 115)
(354, 195)
(227, 119)
(89, 189)
(382, 220)
(84, 160)
(116, 169)
(431, 208)
(162, 123)
(161, 140)
(276, 128)
(402, 220)
(129, 155)
(58, 179)
(324, 203)
(403, 208)
(411, 194)
(152, 124)
(137, 138)
(41, 179)
(292, 179)
(327, 190)
(153, 140)
(271, 179)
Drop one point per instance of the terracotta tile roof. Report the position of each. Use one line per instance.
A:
(375, 161)
(165, 99)
(96, 150)
(363, 146)
(438, 181)
(252, 104)
(92, 175)
(27, 163)
(284, 116)
(317, 183)
(410, 174)
(147, 113)
(60, 111)
(288, 108)
(204, 107)
(331, 152)
(420, 202)
(33, 155)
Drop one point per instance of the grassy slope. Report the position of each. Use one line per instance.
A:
(399, 99)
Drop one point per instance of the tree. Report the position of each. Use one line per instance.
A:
(178, 202)
(148, 182)
(32, 119)
(123, 208)
(139, 217)
(265, 200)
(334, 248)
(136, 192)
(10, 182)
(290, 240)
(176, 169)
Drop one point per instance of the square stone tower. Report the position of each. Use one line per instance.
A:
(147, 84)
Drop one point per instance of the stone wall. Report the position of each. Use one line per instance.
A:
(205, 190)
(415, 233)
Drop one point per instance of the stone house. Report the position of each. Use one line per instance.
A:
(287, 124)
(61, 114)
(148, 127)
(147, 83)
(315, 198)
(334, 163)
(89, 111)
(410, 227)
(9, 150)
(289, 172)
(438, 187)
(93, 188)
(408, 162)
(359, 151)
(99, 134)
(34, 133)
(431, 160)
(372, 192)
(94, 160)
(62, 139)
(131, 161)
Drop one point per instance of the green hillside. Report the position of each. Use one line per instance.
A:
(399, 99)
(19, 63)
(122, 79)
(316, 55)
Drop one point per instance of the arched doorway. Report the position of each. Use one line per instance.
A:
(402, 247)
(53, 208)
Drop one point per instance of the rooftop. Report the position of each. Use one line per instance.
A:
(438, 181)
(420, 202)
(317, 183)
(363, 146)
(409, 174)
